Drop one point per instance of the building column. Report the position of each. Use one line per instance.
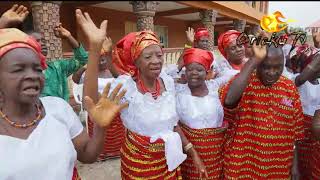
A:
(239, 25)
(208, 19)
(46, 15)
(145, 11)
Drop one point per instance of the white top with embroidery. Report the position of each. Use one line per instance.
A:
(309, 96)
(155, 118)
(200, 112)
(48, 153)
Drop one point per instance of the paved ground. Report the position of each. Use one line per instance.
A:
(107, 170)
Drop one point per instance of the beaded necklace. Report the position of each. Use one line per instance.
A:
(15, 124)
(155, 93)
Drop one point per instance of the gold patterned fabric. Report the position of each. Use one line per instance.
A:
(141, 159)
(267, 122)
(208, 142)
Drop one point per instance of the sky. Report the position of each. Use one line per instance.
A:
(304, 12)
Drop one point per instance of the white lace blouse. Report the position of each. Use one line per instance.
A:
(200, 112)
(309, 96)
(153, 118)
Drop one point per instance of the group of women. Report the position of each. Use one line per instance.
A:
(173, 130)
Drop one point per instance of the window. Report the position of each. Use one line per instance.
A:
(162, 33)
(254, 4)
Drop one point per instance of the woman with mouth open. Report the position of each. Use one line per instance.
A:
(41, 138)
(201, 114)
(153, 148)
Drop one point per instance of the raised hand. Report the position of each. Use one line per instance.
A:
(107, 108)
(61, 32)
(259, 52)
(190, 34)
(15, 15)
(95, 35)
(107, 44)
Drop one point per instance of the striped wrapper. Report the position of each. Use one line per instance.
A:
(141, 159)
(208, 143)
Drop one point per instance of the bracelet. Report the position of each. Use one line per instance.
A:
(188, 147)
(104, 52)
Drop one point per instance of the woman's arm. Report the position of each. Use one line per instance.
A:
(310, 72)
(101, 111)
(239, 84)
(191, 152)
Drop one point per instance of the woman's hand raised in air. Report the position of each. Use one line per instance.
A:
(107, 108)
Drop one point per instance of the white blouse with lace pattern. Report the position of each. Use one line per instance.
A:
(155, 118)
(201, 112)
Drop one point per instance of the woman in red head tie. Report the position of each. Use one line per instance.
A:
(305, 64)
(153, 148)
(200, 39)
(201, 114)
(234, 54)
(43, 137)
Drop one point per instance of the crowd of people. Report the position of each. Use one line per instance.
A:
(251, 114)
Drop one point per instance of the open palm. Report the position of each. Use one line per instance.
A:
(107, 108)
(190, 34)
(16, 15)
(260, 52)
(91, 31)
(61, 32)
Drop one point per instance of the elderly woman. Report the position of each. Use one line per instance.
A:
(199, 39)
(201, 113)
(305, 64)
(234, 54)
(41, 141)
(152, 149)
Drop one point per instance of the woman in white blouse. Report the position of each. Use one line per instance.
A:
(305, 64)
(41, 138)
(153, 148)
(201, 113)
